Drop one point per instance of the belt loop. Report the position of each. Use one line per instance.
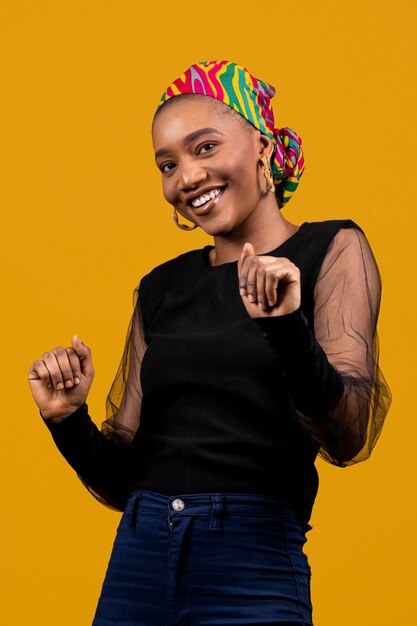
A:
(131, 510)
(307, 527)
(216, 512)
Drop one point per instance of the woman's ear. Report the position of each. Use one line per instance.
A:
(266, 146)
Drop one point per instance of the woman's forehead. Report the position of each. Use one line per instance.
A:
(178, 120)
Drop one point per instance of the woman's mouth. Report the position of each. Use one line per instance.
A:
(206, 202)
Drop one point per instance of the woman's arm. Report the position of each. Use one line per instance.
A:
(332, 373)
(101, 465)
(103, 459)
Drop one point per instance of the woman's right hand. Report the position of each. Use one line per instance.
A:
(61, 379)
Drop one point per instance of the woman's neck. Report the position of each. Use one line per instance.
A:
(267, 236)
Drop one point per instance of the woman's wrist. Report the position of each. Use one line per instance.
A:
(287, 327)
(57, 419)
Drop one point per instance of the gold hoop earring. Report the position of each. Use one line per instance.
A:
(268, 174)
(182, 226)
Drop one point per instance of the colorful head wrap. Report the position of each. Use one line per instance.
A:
(251, 97)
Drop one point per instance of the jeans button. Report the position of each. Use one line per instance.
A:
(178, 505)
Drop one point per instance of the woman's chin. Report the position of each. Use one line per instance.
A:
(216, 227)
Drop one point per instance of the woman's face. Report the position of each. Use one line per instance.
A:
(200, 149)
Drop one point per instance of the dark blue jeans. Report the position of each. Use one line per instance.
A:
(207, 559)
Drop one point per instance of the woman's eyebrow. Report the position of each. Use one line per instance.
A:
(189, 138)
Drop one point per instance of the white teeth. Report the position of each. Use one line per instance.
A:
(203, 199)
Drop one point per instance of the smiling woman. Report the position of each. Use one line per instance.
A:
(188, 143)
(243, 362)
(200, 149)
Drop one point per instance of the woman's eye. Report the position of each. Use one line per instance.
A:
(207, 144)
(164, 166)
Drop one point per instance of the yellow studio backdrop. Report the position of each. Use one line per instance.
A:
(83, 218)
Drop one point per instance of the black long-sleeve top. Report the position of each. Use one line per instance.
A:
(208, 399)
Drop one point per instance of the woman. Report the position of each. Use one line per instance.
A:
(243, 361)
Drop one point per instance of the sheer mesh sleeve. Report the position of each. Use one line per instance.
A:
(103, 459)
(332, 372)
(123, 403)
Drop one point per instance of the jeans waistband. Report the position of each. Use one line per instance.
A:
(215, 505)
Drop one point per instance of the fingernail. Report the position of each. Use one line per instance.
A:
(76, 380)
(251, 298)
(242, 291)
(260, 305)
(60, 386)
(270, 303)
(69, 383)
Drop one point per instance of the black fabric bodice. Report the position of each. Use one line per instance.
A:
(226, 400)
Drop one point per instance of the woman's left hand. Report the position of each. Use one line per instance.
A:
(269, 286)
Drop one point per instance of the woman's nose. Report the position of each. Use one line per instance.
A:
(191, 174)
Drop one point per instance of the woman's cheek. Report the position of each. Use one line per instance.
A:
(240, 170)
(168, 191)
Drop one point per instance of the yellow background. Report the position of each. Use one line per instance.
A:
(83, 218)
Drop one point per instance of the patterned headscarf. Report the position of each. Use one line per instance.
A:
(251, 97)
